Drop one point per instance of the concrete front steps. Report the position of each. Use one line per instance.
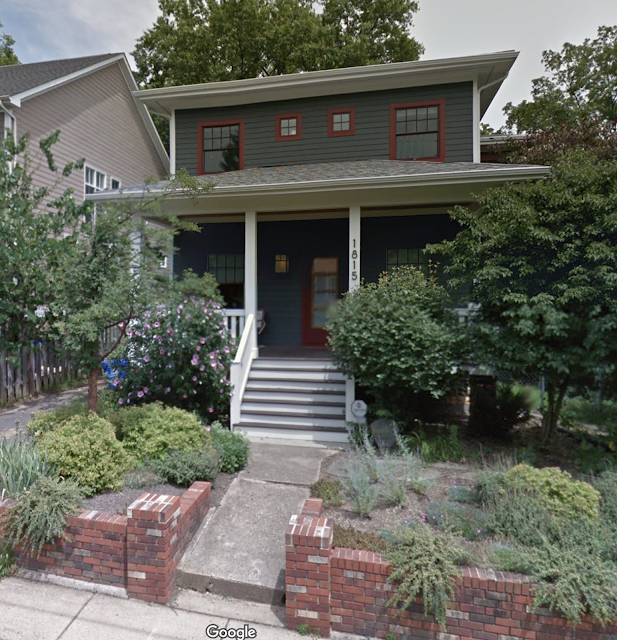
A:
(294, 399)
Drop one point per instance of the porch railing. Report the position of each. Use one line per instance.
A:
(241, 367)
(235, 320)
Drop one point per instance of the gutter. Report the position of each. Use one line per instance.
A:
(346, 184)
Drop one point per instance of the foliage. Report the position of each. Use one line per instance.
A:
(556, 490)
(187, 466)
(21, 465)
(606, 484)
(446, 446)
(496, 415)
(180, 354)
(39, 514)
(510, 557)
(579, 410)
(330, 491)
(463, 494)
(141, 477)
(233, 448)
(151, 430)
(7, 55)
(33, 225)
(359, 487)
(424, 565)
(350, 538)
(395, 474)
(206, 40)
(594, 458)
(44, 421)
(193, 285)
(85, 449)
(7, 561)
(543, 258)
(580, 85)
(463, 519)
(396, 337)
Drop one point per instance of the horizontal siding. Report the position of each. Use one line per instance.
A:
(372, 125)
(98, 121)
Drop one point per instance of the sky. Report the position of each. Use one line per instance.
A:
(50, 29)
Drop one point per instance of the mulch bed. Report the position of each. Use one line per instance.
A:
(119, 501)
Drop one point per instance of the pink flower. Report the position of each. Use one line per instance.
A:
(194, 378)
(198, 348)
(184, 396)
(208, 427)
(120, 324)
(146, 358)
(167, 389)
(156, 324)
(210, 409)
(202, 340)
(202, 367)
(145, 389)
(140, 394)
(162, 352)
(120, 401)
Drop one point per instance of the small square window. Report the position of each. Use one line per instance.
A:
(289, 127)
(341, 122)
(281, 263)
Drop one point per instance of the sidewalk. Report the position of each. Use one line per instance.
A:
(39, 611)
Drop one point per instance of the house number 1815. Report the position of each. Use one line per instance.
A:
(354, 258)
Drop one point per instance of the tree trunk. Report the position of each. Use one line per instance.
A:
(93, 378)
(550, 419)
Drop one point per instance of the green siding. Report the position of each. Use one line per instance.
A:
(372, 122)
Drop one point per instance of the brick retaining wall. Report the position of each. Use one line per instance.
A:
(347, 590)
(138, 552)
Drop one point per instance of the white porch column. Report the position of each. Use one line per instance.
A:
(250, 266)
(354, 283)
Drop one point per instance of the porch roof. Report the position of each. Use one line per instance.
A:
(341, 176)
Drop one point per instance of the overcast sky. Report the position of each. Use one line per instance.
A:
(49, 29)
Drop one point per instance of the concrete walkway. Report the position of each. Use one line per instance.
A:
(39, 611)
(240, 549)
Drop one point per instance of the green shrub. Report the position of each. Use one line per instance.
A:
(497, 414)
(446, 446)
(510, 557)
(463, 519)
(395, 474)
(396, 337)
(578, 411)
(43, 421)
(606, 484)
(141, 477)
(556, 489)
(185, 467)
(151, 430)
(466, 495)
(424, 564)
(233, 448)
(39, 513)
(85, 449)
(21, 464)
(7, 561)
(593, 458)
(330, 491)
(360, 490)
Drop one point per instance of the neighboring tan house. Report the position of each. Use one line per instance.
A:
(91, 101)
(320, 180)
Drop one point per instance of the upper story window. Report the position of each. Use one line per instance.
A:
(221, 146)
(417, 131)
(94, 180)
(114, 183)
(341, 122)
(289, 126)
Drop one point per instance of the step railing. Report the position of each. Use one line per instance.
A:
(241, 367)
(235, 321)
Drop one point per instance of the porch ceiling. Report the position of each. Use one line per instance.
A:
(327, 186)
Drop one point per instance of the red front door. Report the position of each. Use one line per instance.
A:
(320, 292)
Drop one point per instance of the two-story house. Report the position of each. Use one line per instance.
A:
(320, 180)
(91, 101)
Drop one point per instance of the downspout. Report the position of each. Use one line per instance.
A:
(476, 107)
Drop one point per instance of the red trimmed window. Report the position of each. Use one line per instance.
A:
(289, 126)
(221, 146)
(417, 131)
(341, 122)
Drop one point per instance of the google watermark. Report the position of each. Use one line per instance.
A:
(243, 633)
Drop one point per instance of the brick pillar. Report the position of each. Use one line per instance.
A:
(151, 534)
(308, 541)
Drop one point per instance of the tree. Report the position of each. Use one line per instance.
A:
(35, 229)
(7, 55)
(195, 41)
(543, 261)
(580, 86)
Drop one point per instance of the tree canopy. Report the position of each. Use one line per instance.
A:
(7, 55)
(579, 85)
(543, 261)
(195, 41)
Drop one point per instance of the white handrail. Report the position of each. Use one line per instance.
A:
(241, 367)
(234, 321)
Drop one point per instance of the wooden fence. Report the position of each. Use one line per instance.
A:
(33, 371)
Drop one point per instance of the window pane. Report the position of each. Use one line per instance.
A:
(422, 113)
(100, 180)
(401, 127)
(433, 112)
(401, 115)
(402, 256)
(240, 260)
(212, 260)
(417, 146)
(391, 256)
(432, 125)
(421, 125)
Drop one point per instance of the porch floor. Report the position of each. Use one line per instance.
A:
(293, 353)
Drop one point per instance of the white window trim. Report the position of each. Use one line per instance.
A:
(94, 186)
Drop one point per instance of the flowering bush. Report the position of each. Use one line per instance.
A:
(180, 355)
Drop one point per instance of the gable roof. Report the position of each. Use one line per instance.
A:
(487, 71)
(19, 78)
(21, 82)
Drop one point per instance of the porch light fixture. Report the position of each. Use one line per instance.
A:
(281, 263)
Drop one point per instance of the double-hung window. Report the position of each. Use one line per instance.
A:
(221, 146)
(417, 131)
(94, 181)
